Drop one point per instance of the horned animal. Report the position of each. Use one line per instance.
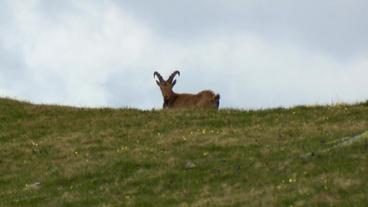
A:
(172, 100)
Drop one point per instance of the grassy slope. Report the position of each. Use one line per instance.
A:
(108, 157)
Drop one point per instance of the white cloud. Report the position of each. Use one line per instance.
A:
(75, 56)
(100, 54)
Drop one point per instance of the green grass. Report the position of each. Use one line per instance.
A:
(127, 157)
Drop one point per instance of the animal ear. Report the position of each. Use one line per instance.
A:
(158, 83)
(174, 82)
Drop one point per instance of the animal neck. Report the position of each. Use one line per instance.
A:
(170, 99)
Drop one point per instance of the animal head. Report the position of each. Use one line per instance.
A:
(166, 86)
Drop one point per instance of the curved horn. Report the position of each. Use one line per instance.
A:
(158, 76)
(172, 76)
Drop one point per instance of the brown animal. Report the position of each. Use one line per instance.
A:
(172, 100)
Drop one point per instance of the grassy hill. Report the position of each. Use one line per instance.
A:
(64, 156)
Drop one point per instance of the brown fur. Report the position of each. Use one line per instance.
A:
(172, 100)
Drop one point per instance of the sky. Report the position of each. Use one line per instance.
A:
(254, 53)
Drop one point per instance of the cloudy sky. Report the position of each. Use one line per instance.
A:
(255, 53)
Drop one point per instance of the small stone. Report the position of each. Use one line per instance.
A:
(190, 165)
(33, 186)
